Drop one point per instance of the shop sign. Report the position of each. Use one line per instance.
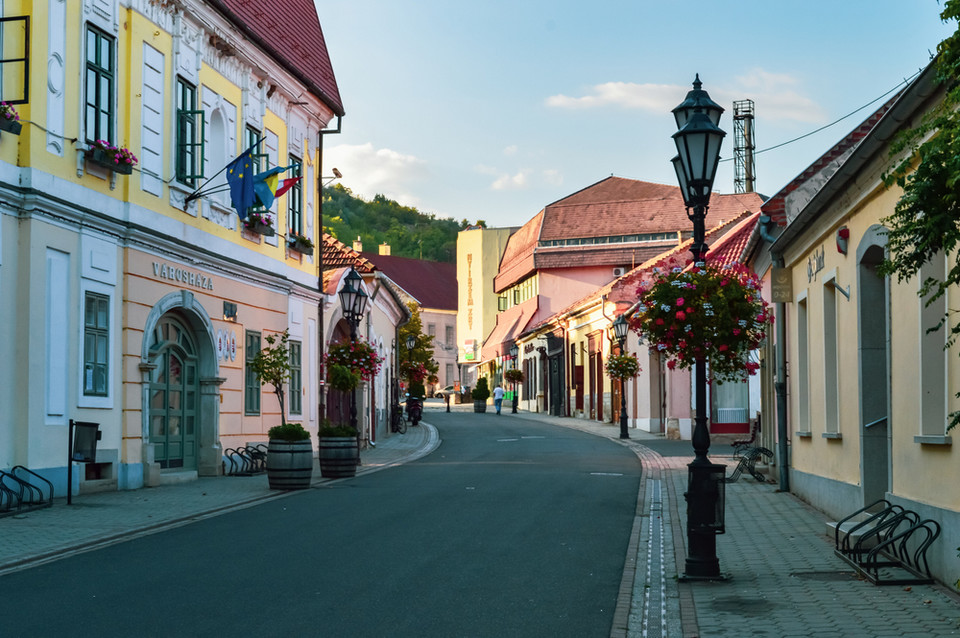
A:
(182, 275)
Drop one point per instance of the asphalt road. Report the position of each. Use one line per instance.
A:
(510, 528)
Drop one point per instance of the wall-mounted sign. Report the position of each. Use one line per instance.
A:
(781, 286)
(233, 346)
(815, 263)
(226, 345)
(182, 275)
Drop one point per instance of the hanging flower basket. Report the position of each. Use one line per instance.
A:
(707, 310)
(9, 119)
(359, 357)
(513, 375)
(622, 366)
(301, 244)
(260, 223)
(117, 159)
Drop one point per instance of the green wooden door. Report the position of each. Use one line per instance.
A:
(174, 396)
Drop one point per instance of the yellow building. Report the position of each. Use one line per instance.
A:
(869, 389)
(129, 300)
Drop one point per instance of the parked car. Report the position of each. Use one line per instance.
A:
(439, 394)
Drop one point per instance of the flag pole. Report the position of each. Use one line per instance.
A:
(199, 192)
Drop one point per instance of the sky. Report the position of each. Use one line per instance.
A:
(492, 110)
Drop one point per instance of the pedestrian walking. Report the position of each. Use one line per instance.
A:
(498, 397)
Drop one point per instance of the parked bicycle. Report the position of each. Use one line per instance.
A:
(398, 424)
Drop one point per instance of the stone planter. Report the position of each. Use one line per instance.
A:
(10, 126)
(289, 464)
(479, 406)
(101, 158)
(338, 456)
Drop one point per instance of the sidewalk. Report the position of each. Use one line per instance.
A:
(784, 579)
(101, 519)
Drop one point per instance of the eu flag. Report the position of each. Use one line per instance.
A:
(240, 177)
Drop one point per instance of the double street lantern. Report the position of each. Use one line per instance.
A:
(698, 141)
(620, 328)
(353, 302)
(514, 353)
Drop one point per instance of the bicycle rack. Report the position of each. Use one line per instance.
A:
(246, 461)
(23, 493)
(889, 543)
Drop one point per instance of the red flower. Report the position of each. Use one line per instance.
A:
(681, 315)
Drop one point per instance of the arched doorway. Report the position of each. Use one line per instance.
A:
(181, 390)
(873, 329)
(174, 394)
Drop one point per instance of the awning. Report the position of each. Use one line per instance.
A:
(510, 323)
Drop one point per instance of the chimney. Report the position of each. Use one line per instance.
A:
(385, 249)
(358, 245)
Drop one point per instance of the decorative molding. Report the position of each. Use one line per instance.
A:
(835, 436)
(930, 439)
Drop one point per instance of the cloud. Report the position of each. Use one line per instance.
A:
(368, 171)
(516, 181)
(553, 177)
(510, 150)
(777, 96)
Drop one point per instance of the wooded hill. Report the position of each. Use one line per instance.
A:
(409, 232)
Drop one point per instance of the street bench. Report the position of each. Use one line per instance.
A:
(739, 447)
(748, 463)
(887, 544)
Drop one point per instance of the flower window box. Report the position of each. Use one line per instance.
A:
(119, 160)
(301, 244)
(259, 223)
(9, 119)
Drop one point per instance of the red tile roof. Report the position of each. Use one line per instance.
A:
(290, 32)
(729, 248)
(775, 206)
(510, 323)
(336, 254)
(432, 283)
(613, 207)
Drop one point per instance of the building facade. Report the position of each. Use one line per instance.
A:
(134, 301)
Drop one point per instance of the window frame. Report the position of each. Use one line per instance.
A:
(190, 148)
(95, 69)
(261, 161)
(100, 334)
(295, 383)
(251, 384)
(295, 197)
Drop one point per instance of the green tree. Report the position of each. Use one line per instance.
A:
(422, 352)
(925, 221)
(272, 365)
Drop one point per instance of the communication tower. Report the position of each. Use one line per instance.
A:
(744, 169)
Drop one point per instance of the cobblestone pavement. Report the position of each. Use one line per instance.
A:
(785, 580)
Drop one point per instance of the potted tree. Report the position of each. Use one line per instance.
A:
(289, 452)
(480, 395)
(338, 442)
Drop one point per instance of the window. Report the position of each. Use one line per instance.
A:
(260, 160)
(251, 394)
(96, 344)
(803, 368)
(189, 134)
(831, 397)
(295, 198)
(296, 379)
(432, 329)
(451, 339)
(98, 109)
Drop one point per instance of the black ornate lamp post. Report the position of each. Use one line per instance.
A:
(353, 303)
(514, 353)
(620, 328)
(698, 143)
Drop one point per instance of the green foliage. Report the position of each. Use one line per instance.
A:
(927, 169)
(342, 378)
(514, 375)
(622, 366)
(272, 365)
(288, 432)
(409, 232)
(339, 430)
(482, 391)
(422, 354)
(417, 390)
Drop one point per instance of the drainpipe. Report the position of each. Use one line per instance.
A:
(780, 384)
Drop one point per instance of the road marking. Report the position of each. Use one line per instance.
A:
(504, 440)
(655, 597)
(605, 474)
(533, 437)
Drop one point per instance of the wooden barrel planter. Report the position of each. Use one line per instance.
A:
(289, 464)
(479, 406)
(338, 456)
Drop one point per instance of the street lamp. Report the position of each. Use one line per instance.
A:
(353, 303)
(514, 353)
(620, 328)
(698, 143)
